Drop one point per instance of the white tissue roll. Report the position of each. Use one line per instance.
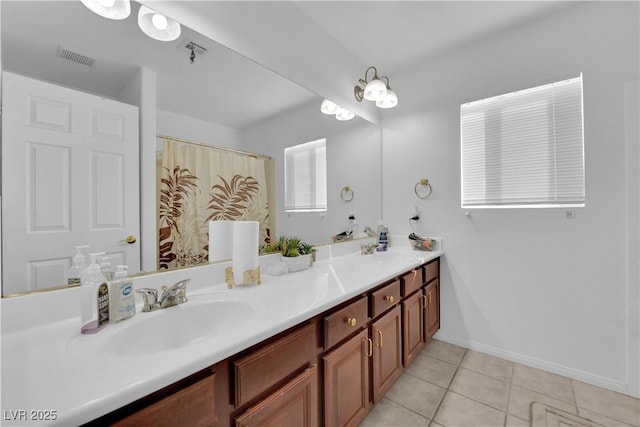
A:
(245, 248)
(220, 240)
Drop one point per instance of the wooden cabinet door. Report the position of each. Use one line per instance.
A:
(412, 327)
(386, 334)
(432, 310)
(346, 382)
(192, 406)
(295, 404)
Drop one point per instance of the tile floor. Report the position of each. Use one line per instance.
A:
(449, 386)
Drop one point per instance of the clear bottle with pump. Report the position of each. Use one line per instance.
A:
(123, 304)
(94, 299)
(383, 237)
(78, 268)
(105, 268)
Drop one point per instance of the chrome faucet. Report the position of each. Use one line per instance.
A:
(174, 295)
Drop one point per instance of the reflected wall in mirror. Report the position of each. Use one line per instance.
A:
(222, 98)
(353, 160)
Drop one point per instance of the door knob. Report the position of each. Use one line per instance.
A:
(130, 239)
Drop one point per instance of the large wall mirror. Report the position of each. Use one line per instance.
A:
(219, 98)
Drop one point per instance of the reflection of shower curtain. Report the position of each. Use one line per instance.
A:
(200, 184)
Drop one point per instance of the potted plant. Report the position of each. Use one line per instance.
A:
(296, 254)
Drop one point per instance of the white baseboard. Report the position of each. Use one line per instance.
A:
(609, 384)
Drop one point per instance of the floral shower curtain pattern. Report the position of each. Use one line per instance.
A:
(198, 184)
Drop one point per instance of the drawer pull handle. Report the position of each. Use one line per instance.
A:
(388, 298)
(380, 337)
(351, 321)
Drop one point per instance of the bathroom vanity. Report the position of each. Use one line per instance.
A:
(317, 347)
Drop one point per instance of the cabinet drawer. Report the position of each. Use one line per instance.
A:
(411, 282)
(431, 271)
(295, 404)
(385, 298)
(260, 370)
(344, 322)
(192, 406)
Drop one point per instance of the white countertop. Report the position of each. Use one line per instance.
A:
(50, 366)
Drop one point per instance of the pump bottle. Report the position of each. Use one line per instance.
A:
(94, 299)
(122, 304)
(78, 269)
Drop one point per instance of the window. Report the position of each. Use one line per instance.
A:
(305, 177)
(524, 149)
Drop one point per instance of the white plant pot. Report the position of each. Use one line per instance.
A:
(297, 263)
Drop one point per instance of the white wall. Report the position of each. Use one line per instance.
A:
(530, 284)
(353, 159)
(185, 127)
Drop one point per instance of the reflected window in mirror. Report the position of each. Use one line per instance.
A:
(305, 167)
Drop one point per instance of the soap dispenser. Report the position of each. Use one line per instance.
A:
(105, 268)
(78, 269)
(94, 299)
(383, 237)
(123, 304)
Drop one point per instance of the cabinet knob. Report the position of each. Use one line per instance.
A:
(388, 298)
(351, 321)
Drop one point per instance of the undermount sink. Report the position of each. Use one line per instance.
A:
(178, 326)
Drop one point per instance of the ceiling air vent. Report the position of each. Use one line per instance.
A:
(76, 57)
(197, 49)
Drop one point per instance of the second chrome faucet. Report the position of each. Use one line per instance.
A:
(174, 295)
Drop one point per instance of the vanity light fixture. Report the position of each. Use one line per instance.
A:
(375, 90)
(390, 100)
(112, 9)
(156, 25)
(331, 108)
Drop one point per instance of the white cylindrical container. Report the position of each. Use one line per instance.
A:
(245, 249)
(220, 240)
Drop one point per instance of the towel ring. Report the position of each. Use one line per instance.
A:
(427, 185)
(345, 192)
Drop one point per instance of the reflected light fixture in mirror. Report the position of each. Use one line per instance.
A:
(112, 9)
(331, 108)
(157, 26)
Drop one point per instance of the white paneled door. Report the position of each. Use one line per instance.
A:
(69, 177)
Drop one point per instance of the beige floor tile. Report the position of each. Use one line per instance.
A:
(387, 413)
(487, 365)
(515, 422)
(601, 419)
(435, 424)
(444, 351)
(433, 370)
(482, 388)
(418, 395)
(606, 402)
(457, 410)
(520, 399)
(543, 382)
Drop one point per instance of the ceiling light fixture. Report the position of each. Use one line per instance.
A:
(331, 108)
(156, 25)
(375, 90)
(112, 9)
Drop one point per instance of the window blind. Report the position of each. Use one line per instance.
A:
(306, 177)
(525, 148)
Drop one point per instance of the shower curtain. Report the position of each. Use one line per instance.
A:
(199, 184)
